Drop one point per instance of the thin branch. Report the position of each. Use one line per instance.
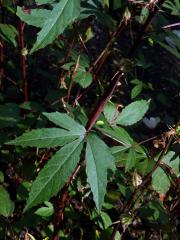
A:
(105, 98)
(23, 60)
(153, 12)
(72, 77)
(60, 203)
(171, 25)
(103, 55)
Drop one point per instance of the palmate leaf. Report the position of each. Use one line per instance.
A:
(64, 13)
(45, 137)
(65, 121)
(52, 137)
(99, 160)
(55, 173)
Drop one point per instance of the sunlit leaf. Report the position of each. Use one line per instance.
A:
(64, 13)
(55, 173)
(45, 137)
(133, 113)
(35, 17)
(99, 160)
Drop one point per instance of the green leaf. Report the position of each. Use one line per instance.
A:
(9, 115)
(41, 2)
(106, 220)
(8, 33)
(55, 173)
(133, 113)
(111, 112)
(1, 177)
(64, 13)
(131, 160)
(45, 137)
(170, 49)
(83, 78)
(36, 17)
(119, 149)
(160, 181)
(117, 4)
(172, 163)
(119, 134)
(137, 89)
(45, 211)
(6, 205)
(105, 3)
(99, 160)
(65, 121)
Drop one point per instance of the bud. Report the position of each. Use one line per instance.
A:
(24, 52)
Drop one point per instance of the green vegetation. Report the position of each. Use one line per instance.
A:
(89, 121)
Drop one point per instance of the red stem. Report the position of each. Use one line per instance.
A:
(23, 61)
(116, 78)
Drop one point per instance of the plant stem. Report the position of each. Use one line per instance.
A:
(103, 55)
(60, 203)
(72, 77)
(105, 98)
(23, 60)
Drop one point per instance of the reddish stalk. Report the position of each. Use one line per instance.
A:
(60, 204)
(72, 78)
(23, 60)
(103, 55)
(105, 98)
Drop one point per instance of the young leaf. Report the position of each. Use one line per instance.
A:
(83, 78)
(64, 13)
(6, 205)
(55, 173)
(133, 113)
(65, 121)
(45, 137)
(99, 160)
(36, 17)
(137, 89)
(45, 211)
